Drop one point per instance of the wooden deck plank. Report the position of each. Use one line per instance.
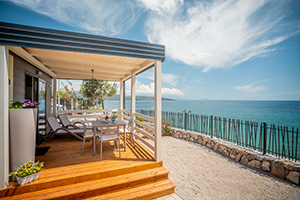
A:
(148, 191)
(96, 187)
(68, 175)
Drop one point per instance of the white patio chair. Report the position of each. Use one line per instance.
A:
(109, 133)
(87, 136)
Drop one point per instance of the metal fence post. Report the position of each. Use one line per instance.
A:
(211, 126)
(265, 137)
(185, 120)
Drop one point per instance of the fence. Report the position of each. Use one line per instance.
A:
(276, 140)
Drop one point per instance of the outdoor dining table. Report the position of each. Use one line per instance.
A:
(98, 125)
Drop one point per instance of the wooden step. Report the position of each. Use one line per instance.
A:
(63, 176)
(119, 183)
(148, 191)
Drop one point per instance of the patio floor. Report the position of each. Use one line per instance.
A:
(68, 175)
(66, 150)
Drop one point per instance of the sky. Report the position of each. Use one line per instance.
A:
(215, 49)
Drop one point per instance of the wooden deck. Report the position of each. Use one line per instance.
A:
(66, 150)
(68, 175)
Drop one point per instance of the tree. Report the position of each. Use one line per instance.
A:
(97, 91)
(67, 93)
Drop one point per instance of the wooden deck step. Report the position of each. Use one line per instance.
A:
(142, 184)
(63, 176)
(148, 191)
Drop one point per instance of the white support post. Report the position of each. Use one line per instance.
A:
(54, 100)
(157, 79)
(121, 99)
(132, 103)
(4, 117)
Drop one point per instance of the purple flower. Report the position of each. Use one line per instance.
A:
(37, 106)
(31, 104)
(28, 100)
(24, 105)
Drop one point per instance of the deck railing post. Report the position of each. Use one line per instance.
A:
(265, 137)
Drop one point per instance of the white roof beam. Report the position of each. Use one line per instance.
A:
(29, 58)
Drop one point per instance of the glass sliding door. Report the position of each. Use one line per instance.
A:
(42, 106)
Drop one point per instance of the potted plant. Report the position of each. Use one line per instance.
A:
(166, 128)
(22, 131)
(27, 172)
(114, 117)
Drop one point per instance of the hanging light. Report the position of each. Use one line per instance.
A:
(92, 80)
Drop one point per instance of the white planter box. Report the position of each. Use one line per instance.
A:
(28, 179)
(22, 133)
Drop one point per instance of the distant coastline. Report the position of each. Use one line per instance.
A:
(138, 98)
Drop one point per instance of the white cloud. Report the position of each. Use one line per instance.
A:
(172, 92)
(169, 78)
(143, 89)
(217, 34)
(98, 17)
(251, 88)
(165, 77)
(161, 6)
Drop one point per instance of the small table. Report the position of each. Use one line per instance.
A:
(99, 124)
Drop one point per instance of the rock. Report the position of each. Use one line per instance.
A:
(225, 152)
(216, 147)
(232, 156)
(244, 159)
(233, 152)
(242, 152)
(266, 165)
(238, 157)
(208, 145)
(293, 176)
(200, 140)
(203, 142)
(219, 150)
(192, 139)
(222, 147)
(204, 139)
(259, 158)
(277, 170)
(254, 163)
(251, 157)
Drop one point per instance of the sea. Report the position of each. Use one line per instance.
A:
(282, 113)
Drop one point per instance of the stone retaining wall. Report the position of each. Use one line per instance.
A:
(281, 168)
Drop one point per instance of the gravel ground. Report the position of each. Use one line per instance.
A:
(200, 173)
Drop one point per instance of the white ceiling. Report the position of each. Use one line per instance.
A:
(74, 65)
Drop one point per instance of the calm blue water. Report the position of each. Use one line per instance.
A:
(285, 113)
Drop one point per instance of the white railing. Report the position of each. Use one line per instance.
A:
(86, 115)
(143, 130)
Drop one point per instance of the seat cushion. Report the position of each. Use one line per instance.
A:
(109, 137)
(89, 134)
(76, 131)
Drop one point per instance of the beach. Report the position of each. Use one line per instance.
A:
(200, 173)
